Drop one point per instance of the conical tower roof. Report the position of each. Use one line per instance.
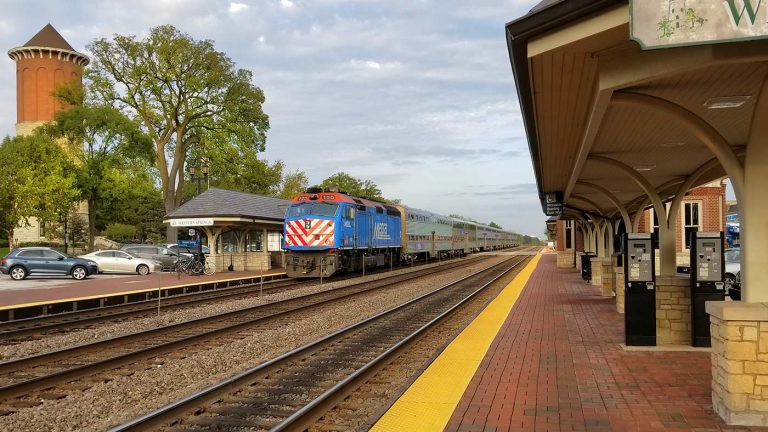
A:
(48, 37)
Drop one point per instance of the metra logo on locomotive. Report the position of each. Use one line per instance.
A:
(381, 231)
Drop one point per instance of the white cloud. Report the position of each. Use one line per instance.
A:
(417, 96)
(237, 7)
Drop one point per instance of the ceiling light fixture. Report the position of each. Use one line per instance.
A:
(726, 102)
(645, 167)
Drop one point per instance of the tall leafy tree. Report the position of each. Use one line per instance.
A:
(100, 138)
(293, 184)
(495, 225)
(182, 92)
(130, 197)
(37, 179)
(353, 186)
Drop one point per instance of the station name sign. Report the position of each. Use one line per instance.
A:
(670, 23)
(553, 203)
(192, 222)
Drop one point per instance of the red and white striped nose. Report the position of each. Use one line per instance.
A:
(310, 232)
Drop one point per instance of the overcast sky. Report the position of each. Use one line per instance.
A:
(416, 95)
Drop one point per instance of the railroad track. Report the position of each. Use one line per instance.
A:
(292, 391)
(51, 375)
(36, 328)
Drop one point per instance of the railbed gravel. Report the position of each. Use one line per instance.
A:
(362, 408)
(107, 404)
(110, 330)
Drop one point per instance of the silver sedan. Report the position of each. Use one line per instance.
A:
(115, 261)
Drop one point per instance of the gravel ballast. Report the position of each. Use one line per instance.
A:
(164, 380)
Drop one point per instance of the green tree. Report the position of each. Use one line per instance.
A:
(37, 180)
(293, 184)
(120, 232)
(238, 169)
(131, 197)
(100, 138)
(495, 225)
(353, 186)
(183, 93)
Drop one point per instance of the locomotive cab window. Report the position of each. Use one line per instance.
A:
(325, 209)
(349, 212)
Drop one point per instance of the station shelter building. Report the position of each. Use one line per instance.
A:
(243, 231)
(629, 106)
(45, 62)
(703, 209)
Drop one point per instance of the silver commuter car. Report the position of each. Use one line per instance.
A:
(115, 261)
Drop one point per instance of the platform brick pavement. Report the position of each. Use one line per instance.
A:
(557, 365)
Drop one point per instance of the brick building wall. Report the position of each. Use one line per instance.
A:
(710, 200)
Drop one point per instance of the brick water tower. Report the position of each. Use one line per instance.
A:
(43, 63)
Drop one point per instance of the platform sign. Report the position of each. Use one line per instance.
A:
(553, 203)
(670, 23)
(192, 222)
(189, 243)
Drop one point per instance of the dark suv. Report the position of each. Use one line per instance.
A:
(161, 254)
(22, 262)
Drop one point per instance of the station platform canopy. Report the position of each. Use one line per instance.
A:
(601, 105)
(244, 230)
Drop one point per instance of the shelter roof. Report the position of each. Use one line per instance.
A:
(49, 37)
(217, 202)
(607, 120)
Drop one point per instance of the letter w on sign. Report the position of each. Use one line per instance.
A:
(309, 232)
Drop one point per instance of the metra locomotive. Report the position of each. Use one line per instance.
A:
(331, 232)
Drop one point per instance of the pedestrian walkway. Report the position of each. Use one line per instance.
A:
(558, 365)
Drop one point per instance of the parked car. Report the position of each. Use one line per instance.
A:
(732, 275)
(116, 261)
(22, 262)
(187, 251)
(161, 254)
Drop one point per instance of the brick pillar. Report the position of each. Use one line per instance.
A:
(597, 271)
(740, 361)
(609, 278)
(565, 259)
(673, 310)
(619, 272)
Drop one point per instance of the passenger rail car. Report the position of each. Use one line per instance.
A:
(330, 232)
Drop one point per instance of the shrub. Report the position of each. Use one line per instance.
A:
(120, 232)
(51, 244)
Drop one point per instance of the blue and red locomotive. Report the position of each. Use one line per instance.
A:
(330, 232)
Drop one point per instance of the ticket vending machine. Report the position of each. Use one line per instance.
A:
(640, 290)
(707, 265)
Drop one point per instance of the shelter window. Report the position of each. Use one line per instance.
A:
(275, 241)
(568, 234)
(253, 241)
(692, 221)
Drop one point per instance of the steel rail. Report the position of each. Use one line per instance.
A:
(170, 414)
(11, 331)
(290, 306)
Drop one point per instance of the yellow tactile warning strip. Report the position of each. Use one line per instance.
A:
(138, 291)
(428, 404)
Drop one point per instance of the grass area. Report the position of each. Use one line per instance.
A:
(4, 251)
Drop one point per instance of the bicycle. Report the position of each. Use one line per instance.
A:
(209, 268)
(189, 266)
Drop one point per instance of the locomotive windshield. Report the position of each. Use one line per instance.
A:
(317, 209)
